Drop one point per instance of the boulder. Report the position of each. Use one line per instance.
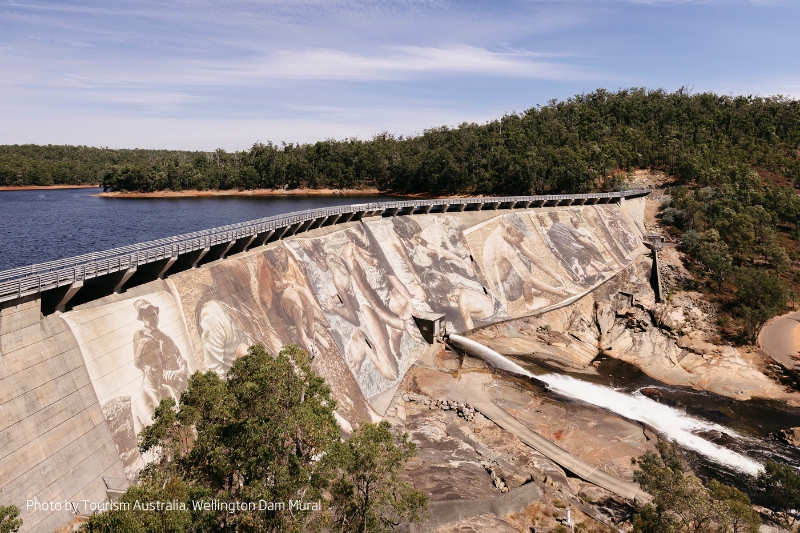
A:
(674, 319)
(605, 316)
(790, 436)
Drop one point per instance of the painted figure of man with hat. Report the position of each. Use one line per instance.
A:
(158, 357)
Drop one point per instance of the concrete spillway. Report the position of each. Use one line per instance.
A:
(77, 386)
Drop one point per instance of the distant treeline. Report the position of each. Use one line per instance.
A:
(567, 146)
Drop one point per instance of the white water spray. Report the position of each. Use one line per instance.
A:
(674, 424)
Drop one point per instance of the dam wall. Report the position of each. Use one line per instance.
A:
(77, 386)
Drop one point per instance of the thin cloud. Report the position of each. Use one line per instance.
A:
(223, 73)
(412, 61)
(394, 64)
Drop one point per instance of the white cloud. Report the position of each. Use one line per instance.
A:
(171, 82)
(386, 63)
(411, 62)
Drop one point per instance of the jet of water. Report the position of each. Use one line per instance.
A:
(674, 424)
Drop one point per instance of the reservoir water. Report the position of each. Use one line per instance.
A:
(45, 225)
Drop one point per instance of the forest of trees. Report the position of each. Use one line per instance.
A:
(566, 146)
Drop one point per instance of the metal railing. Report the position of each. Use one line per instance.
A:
(25, 281)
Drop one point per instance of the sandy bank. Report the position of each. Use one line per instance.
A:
(248, 192)
(780, 339)
(45, 187)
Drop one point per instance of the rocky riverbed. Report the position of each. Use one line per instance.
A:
(467, 464)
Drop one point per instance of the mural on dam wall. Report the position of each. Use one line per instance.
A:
(223, 316)
(348, 298)
(285, 293)
(613, 223)
(368, 308)
(263, 298)
(572, 240)
(520, 269)
(136, 353)
(88, 380)
(430, 258)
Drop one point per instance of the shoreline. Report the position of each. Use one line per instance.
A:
(45, 187)
(195, 193)
(248, 192)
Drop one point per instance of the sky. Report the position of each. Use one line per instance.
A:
(201, 75)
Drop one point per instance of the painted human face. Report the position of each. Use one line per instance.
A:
(512, 233)
(150, 318)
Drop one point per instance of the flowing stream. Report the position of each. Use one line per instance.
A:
(670, 422)
(689, 431)
(729, 437)
(726, 451)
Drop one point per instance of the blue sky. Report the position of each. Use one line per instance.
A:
(228, 73)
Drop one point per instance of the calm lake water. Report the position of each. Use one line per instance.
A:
(45, 225)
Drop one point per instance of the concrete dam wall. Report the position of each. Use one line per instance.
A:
(76, 387)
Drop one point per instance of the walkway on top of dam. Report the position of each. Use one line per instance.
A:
(118, 266)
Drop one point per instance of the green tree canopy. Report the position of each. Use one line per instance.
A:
(780, 485)
(369, 494)
(266, 434)
(760, 295)
(571, 146)
(682, 504)
(9, 519)
(712, 253)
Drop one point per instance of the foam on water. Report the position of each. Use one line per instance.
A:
(674, 424)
